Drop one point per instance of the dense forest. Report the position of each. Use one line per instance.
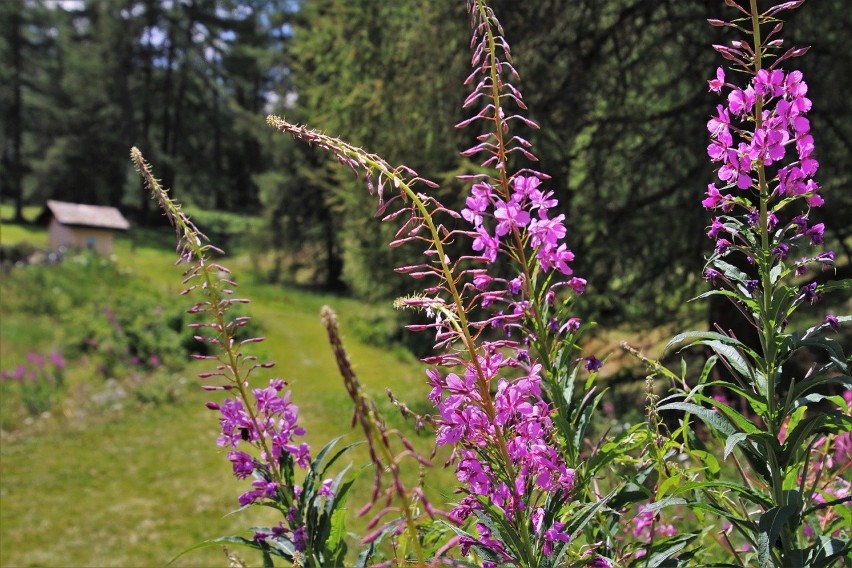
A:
(618, 86)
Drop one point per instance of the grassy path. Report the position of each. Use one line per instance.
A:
(137, 488)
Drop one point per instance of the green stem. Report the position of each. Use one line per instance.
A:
(211, 287)
(768, 325)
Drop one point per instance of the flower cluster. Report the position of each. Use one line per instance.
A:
(524, 213)
(37, 368)
(523, 420)
(39, 381)
(273, 421)
(491, 406)
(783, 122)
(646, 527)
(764, 126)
(508, 212)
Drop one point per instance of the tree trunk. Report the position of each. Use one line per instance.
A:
(12, 160)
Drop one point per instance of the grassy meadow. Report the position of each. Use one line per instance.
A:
(109, 480)
(124, 470)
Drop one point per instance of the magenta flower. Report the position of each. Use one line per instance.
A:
(593, 364)
(714, 197)
(486, 244)
(720, 123)
(542, 202)
(740, 102)
(833, 323)
(768, 145)
(525, 186)
(509, 216)
(35, 359)
(717, 83)
(325, 488)
(737, 168)
(816, 233)
(57, 360)
(242, 463)
(547, 232)
(553, 535)
(769, 83)
(715, 228)
(809, 293)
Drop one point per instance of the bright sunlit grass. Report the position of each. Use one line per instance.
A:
(137, 487)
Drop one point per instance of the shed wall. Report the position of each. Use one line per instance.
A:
(99, 240)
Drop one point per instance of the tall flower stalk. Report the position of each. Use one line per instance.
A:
(506, 358)
(259, 426)
(764, 198)
(397, 499)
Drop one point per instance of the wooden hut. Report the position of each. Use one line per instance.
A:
(80, 226)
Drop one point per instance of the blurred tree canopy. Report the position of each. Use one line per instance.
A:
(186, 80)
(618, 87)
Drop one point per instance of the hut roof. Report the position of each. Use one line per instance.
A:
(80, 215)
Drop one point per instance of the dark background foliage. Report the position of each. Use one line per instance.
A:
(619, 88)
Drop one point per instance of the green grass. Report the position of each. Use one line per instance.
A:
(137, 487)
(12, 234)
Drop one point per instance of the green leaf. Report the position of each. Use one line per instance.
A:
(585, 514)
(705, 335)
(713, 419)
(732, 442)
(828, 422)
(629, 493)
(742, 491)
(666, 548)
(340, 489)
(824, 376)
(708, 460)
(832, 348)
(731, 271)
(500, 528)
(708, 368)
(636, 436)
(833, 285)
(756, 401)
(775, 273)
(584, 419)
(323, 452)
(732, 355)
(335, 545)
(366, 555)
(796, 417)
(749, 302)
(721, 424)
(283, 544)
(486, 553)
(740, 421)
(663, 503)
(770, 525)
(337, 456)
(823, 552)
(817, 329)
(745, 526)
(238, 540)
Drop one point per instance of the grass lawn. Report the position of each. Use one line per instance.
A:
(137, 487)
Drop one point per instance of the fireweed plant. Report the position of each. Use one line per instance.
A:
(791, 505)
(259, 426)
(506, 349)
(534, 489)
